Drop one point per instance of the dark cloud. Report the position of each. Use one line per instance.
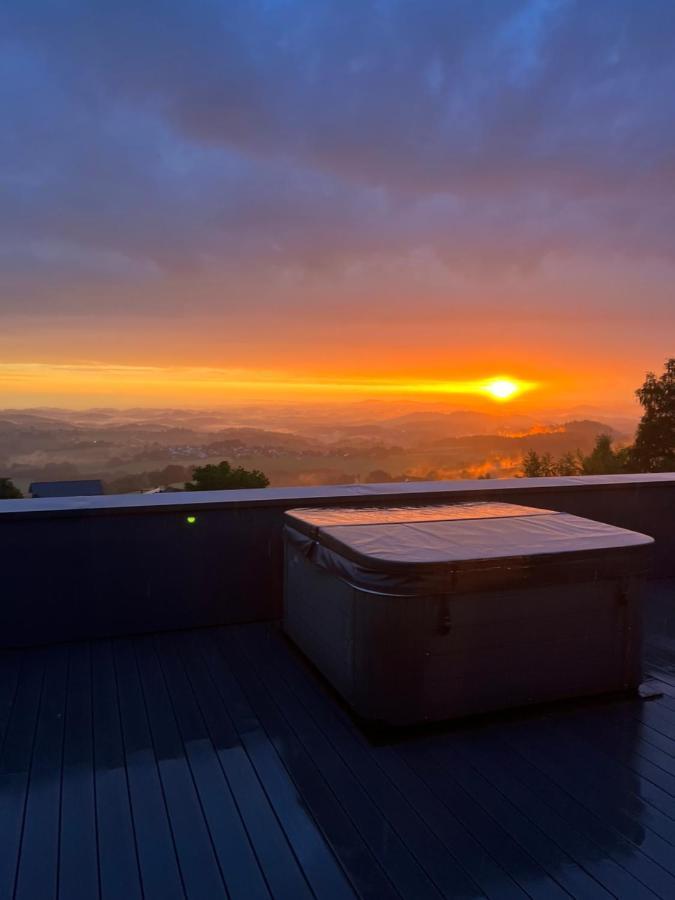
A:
(142, 140)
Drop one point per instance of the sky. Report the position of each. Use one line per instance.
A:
(224, 199)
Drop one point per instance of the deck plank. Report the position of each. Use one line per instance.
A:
(157, 858)
(621, 812)
(652, 765)
(119, 874)
(619, 789)
(349, 766)
(197, 858)
(37, 874)
(241, 872)
(613, 845)
(545, 852)
(524, 870)
(322, 871)
(462, 850)
(78, 864)
(279, 864)
(367, 845)
(15, 766)
(581, 844)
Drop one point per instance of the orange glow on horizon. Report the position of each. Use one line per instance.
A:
(45, 382)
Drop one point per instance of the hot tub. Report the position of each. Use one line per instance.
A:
(428, 613)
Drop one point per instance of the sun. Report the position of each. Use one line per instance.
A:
(502, 388)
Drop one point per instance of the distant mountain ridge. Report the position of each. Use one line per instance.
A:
(56, 444)
(408, 429)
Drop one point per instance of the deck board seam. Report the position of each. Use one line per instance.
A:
(346, 724)
(188, 763)
(336, 797)
(224, 774)
(29, 776)
(141, 691)
(280, 761)
(598, 745)
(339, 713)
(570, 799)
(63, 749)
(590, 841)
(262, 784)
(472, 831)
(126, 768)
(647, 728)
(533, 824)
(607, 824)
(364, 787)
(93, 766)
(253, 768)
(619, 769)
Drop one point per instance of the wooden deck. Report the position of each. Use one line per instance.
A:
(215, 763)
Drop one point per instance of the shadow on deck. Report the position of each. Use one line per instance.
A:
(215, 763)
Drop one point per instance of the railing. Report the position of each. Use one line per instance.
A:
(94, 566)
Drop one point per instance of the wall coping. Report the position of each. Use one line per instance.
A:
(396, 492)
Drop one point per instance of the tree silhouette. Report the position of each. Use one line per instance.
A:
(603, 459)
(536, 466)
(222, 477)
(654, 447)
(569, 464)
(8, 490)
(532, 465)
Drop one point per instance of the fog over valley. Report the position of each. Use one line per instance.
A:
(371, 441)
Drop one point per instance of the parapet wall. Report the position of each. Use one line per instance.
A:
(97, 566)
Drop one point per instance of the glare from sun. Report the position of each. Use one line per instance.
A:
(502, 388)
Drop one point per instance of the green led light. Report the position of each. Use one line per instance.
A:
(191, 520)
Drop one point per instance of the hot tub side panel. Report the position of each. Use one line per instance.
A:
(319, 618)
(443, 656)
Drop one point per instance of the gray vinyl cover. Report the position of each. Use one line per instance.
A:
(400, 549)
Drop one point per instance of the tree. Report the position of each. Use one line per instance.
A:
(222, 477)
(532, 465)
(535, 466)
(603, 459)
(8, 490)
(548, 465)
(569, 464)
(654, 447)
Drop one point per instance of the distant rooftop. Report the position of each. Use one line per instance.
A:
(84, 488)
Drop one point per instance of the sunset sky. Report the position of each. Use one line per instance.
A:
(218, 200)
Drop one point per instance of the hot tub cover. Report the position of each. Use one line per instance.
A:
(390, 548)
(310, 521)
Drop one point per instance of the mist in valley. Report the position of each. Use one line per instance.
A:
(299, 444)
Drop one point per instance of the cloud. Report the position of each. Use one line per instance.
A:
(164, 142)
